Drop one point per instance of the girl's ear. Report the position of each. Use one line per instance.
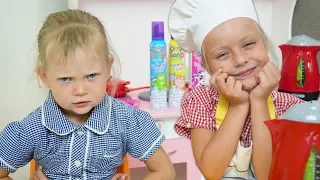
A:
(110, 60)
(109, 64)
(41, 73)
(204, 64)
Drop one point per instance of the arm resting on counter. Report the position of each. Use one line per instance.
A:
(4, 175)
(160, 166)
(261, 139)
(213, 151)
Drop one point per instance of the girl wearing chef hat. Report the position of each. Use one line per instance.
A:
(225, 120)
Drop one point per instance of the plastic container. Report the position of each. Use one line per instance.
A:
(177, 74)
(197, 71)
(158, 68)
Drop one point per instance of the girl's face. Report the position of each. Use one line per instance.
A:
(236, 46)
(78, 83)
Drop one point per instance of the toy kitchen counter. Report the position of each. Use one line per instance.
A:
(142, 96)
(178, 148)
(164, 119)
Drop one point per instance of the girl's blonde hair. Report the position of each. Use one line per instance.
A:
(62, 32)
(270, 47)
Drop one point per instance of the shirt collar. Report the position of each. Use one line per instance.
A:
(99, 120)
(54, 120)
(274, 95)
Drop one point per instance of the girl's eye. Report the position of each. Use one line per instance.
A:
(249, 44)
(221, 55)
(92, 76)
(65, 79)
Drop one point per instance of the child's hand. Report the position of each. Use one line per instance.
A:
(229, 87)
(39, 175)
(268, 79)
(120, 176)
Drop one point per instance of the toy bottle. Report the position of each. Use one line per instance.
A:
(158, 68)
(197, 71)
(177, 74)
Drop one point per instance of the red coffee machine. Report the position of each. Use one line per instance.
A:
(296, 143)
(300, 74)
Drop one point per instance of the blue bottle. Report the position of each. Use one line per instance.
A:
(158, 68)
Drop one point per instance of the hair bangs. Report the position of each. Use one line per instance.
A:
(73, 37)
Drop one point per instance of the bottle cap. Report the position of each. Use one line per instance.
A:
(158, 30)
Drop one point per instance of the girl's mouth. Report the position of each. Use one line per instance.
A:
(81, 104)
(246, 72)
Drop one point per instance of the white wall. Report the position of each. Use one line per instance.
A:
(128, 22)
(19, 91)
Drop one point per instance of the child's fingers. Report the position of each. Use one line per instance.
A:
(120, 176)
(230, 83)
(124, 177)
(217, 72)
(115, 177)
(214, 75)
(272, 72)
(39, 174)
(238, 86)
(34, 177)
(221, 82)
(39, 168)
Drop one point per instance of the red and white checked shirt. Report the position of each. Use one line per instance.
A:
(199, 106)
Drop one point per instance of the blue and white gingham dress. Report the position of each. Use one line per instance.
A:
(93, 150)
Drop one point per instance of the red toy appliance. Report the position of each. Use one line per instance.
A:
(296, 143)
(300, 74)
(118, 88)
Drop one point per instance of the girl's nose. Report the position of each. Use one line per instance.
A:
(240, 59)
(79, 90)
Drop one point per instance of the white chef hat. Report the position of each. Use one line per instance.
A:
(191, 20)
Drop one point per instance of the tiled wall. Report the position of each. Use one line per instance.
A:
(306, 18)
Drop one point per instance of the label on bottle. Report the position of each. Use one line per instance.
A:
(158, 74)
(197, 71)
(176, 74)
